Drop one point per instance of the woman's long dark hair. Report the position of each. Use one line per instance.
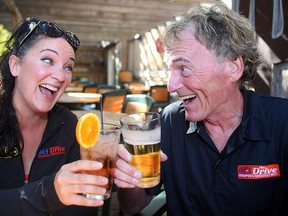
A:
(10, 133)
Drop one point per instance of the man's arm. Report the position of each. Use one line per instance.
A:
(132, 200)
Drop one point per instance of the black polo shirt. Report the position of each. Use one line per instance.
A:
(249, 177)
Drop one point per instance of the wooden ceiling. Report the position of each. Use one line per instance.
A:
(96, 20)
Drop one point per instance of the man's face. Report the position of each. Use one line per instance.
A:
(198, 77)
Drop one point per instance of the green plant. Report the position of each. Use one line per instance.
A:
(4, 35)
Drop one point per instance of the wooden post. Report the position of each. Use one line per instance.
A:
(16, 15)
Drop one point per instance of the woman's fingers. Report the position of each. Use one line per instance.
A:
(78, 199)
(74, 189)
(71, 180)
(82, 165)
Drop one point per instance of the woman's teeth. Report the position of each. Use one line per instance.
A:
(51, 88)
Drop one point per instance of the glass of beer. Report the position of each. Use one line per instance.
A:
(104, 151)
(141, 134)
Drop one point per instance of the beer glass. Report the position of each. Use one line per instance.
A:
(104, 151)
(141, 134)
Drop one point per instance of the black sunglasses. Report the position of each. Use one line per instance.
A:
(52, 30)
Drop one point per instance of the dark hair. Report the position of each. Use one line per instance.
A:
(221, 30)
(10, 133)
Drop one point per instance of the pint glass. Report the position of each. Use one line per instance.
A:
(141, 134)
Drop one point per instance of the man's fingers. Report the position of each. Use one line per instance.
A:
(163, 156)
(124, 154)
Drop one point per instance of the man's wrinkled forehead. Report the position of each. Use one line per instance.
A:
(170, 59)
(184, 43)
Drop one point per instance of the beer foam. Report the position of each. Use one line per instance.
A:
(137, 137)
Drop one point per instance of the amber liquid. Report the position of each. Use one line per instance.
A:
(106, 171)
(146, 158)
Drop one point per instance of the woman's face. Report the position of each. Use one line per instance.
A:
(42, 75)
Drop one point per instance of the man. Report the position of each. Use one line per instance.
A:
(227, 147)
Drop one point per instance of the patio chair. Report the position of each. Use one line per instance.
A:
(136, 87)
(113, 100)
(138, 103)
(157, 207)
(125, 76)
(103, 88)
(91, 88)
(161, 96)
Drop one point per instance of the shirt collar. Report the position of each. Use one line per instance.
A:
(254, 124)
(254, 121)
(192, 127)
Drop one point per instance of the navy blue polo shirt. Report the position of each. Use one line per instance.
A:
(249, 177)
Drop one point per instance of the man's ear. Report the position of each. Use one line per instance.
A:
(14, 64)
(236, 68)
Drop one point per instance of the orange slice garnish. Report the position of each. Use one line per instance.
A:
(88, 130)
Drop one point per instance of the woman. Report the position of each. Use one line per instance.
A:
(39, 155)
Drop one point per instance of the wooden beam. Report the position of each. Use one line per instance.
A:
(16, 15)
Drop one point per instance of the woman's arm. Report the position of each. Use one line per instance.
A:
(54, 192)
(32, 199)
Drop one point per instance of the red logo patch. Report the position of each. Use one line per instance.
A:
(258, 171)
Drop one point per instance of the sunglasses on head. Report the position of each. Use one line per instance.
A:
(52, 30)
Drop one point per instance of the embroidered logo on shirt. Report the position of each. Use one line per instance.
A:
(258, 171)
(52, 151)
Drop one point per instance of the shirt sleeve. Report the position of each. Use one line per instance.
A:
(36, 198)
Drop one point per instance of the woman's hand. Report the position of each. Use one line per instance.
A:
(69, 183)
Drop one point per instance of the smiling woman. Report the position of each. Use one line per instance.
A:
(38, 149)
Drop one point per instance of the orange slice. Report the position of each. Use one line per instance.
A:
(87, 130)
